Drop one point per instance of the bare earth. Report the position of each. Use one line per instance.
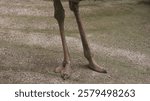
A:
(118, 33)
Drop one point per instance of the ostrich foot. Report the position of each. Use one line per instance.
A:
(95, 67)
(65, 71)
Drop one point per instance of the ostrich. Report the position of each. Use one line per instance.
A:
(59, 14)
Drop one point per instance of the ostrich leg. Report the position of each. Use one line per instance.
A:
(74, 6)
(59, 14)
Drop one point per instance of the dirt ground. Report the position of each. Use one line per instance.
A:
(118, 32)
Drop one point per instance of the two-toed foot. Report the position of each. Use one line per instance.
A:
(65, 70)
(94, 66)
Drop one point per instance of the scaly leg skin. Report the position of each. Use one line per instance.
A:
(59, 14)
(74, 6)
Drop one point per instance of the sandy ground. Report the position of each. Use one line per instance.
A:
(30, 47)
